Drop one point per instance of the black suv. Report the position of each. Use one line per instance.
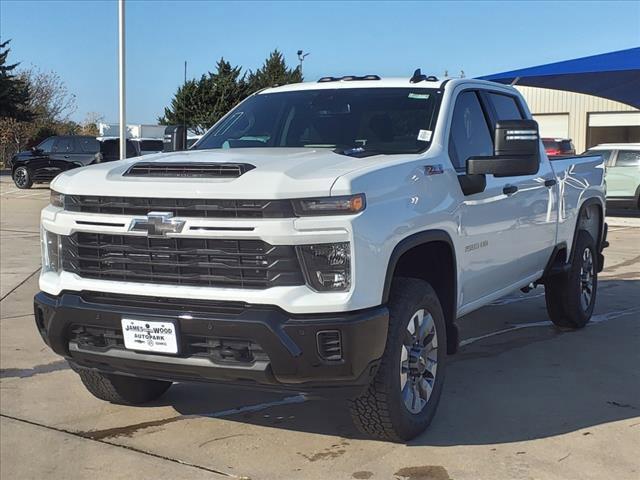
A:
(57, 154)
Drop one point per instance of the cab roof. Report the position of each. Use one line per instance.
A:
(390, 82)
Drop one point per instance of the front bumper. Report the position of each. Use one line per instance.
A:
(289, 345)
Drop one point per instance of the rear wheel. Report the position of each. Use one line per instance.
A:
(571, 296)
(121, 389)
(402, 399)
(22, 178)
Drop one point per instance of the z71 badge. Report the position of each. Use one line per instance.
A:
(436, 169)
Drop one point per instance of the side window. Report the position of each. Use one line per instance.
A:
(628, 158)
(47, 145)
(63, 145)
(506, 106)
(87, 145)
(606, 155)
(470, 135)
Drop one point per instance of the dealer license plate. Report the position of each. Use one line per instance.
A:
(143, 335)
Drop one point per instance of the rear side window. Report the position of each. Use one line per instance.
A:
(47, 145)
(606, 154)
(566, 145)
(151, 145)
(63, 145)
(506, 106)
(87, 145)
(628, 158)
(470, 135)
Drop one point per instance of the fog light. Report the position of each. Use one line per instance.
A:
(327, 267)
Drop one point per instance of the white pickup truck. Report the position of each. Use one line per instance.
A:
(322, 237)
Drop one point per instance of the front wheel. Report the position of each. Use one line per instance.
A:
(402, 399)
(121, 389)
(22, 178)
(571, 296)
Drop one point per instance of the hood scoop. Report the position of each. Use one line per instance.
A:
(188, 169)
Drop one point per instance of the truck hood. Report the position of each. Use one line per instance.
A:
(278, 173)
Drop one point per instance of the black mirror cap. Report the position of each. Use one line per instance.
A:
(516, 137)
(516, 151)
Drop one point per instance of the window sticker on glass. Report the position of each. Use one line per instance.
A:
(419, 96)
(424, 135)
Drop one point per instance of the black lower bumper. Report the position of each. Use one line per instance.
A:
(86, 329)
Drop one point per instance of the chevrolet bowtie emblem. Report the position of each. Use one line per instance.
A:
(157, 224)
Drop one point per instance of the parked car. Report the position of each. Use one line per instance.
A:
(110, 148)
(54, 155)
(623, 172)
(321, 237)
(556, 147)
(148, 146)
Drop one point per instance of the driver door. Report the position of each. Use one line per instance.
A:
(486, 219)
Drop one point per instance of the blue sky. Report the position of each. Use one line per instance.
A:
(78, 40)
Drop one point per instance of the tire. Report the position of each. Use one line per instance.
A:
(121, 389)
(571, 297)
(380, 411)
(22, 178)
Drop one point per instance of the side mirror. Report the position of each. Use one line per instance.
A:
(175, 138)
(36, 150)
(516, 151)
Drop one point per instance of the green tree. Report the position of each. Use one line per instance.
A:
(273, 72)
(200, 103)
(14, 91)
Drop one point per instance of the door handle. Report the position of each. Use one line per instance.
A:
(550, 183)
(509, 189)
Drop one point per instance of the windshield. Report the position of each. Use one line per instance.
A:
(385, 120)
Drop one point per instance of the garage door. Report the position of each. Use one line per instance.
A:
(555, 126)
(631, 119)
(613, 128)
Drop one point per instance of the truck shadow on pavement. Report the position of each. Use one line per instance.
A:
(531, 382)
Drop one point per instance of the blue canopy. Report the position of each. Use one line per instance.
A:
(614, 75)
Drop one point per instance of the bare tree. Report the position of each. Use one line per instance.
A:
(90, 124)
(50, 99)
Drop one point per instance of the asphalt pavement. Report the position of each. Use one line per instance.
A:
(522, 400)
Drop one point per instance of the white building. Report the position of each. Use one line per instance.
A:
(133, 130)
(585, 119)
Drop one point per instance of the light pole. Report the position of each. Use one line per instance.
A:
(121, 80)
(301, 57)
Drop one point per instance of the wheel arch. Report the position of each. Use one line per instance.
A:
(430, 256)
(586, 222)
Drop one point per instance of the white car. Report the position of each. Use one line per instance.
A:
(320, 237)
(623, 172)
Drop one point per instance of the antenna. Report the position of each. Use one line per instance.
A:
(418, 76)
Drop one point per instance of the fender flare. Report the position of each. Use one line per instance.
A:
(586, 204)
(412, 241)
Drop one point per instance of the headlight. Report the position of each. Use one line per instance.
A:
(50, 251)
(57, 199)
(343, 205)
(327, 266)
